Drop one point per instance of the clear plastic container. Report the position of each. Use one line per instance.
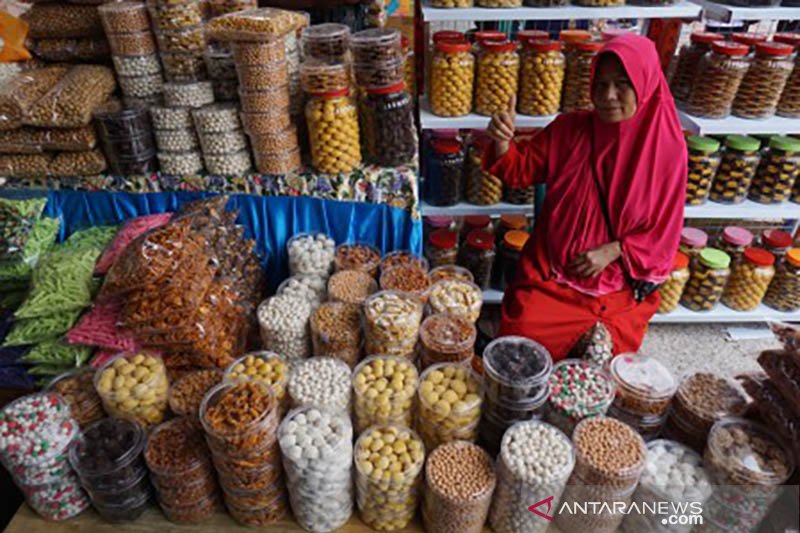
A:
(194, 513)
(594, 467)
(224, 143)
(410, 279)
(777, 171)
(108, 457)
(176, 15)
(228, 164)
(578, 389)
(783, 293)
(77, 389)
(765, 80)
(498, 417)
(326, 41)
(334, 133)
(122, 496)
(776, 242)
(384, 74)
(516, 369)
(449, 272)
(709, 275)
(446, 339)
(183, 67)
(481, 187)
(456, 296)
(749, 280)
(389, 131)
(672, 288)
(644, 386)
(278, 163)
(505, 266)
(449, 404)
(403, 257)
(719, 76)
(192, 94)
(182, 140)
(541, 77)
(171, 118)
(692, 483)
(442, 247)
(260, 517)
(266, 122)
(358, 256)
(704, 398)
(452, 76)
(376, 45)
(180, 163)
(478, 256)
(577, 79)
(132, 44)
(289, 337)
(137, 65)
(126, 512)
(497, 76)
(320, 77)
(734, 240)
(704, 160)
(445, 173)
(124, 17)
(383, 390)
(134, 386)
(336, 332)
(216, 118)
(267, 367)
(351, 286)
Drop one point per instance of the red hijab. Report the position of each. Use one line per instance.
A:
(641, 166)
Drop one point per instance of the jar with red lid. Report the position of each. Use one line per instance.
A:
(508, 223)
(750, 39)
(718, 79)
(541, 77)
(442, 248)
(333, 132)
(448, 35)
(749, 280)
(693, 240)
(764, 81)
(532, 35)
(451, 79)
(510, 250)
(734, 240)
(783, 293)
(477, 255)
(445, 173)
(389, 131)
(776, 242)
(473, 222)
(570, 37)
(789, 104)
(432, 223)
(497, 76)
(672, 288)
(578, 77)
(688, 63)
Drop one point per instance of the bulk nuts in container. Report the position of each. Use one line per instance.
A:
(384, 389)
(176, 16)
(452, 76)
(458, 499)
(180, 163)
(704, 160)
(784, 291)
(644, 386)
(278, 163)
(317, 450)
(734, 241)
(258, 53)
(134, 387)
(445, 173)
(181, 140)
(375, 45)
(387, 121)
(77, 389)
(265, 100)
(777, 171)
(216, 118)
(189, 41)
(391, 323)
(477, 255)
(311, 253)
(230, 164)
(124, 17)
(333, 132)
(283, 321)
(171, 118)
(446, 339)
(764, 81)
(496, 77)
(709, 275)
(672, 288)
(578, 390)
(361, 257)
(442, 248)
(321, 381)
(187, 393)
(516, 369)
(326, 41)
(456, 296)
(449, 272)
(718, 79)
(693, 240)
(541, 76)
(183, 67)
(227, 144)
(318, 76)
(132, 44)
(351, 286)
(534, 463)
(218, 8)
(388, 461)
(267, 367)
(336, 332)
(309, 287)
(505, 267)
(275, 143)
(266, 122)
(577, 78)
(449, 404)
(145, 65)
(193, 94)
(749, 280)
(259, 77)
(776, 242)
(406, 278)
(402, 257)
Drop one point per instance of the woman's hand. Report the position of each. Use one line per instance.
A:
(501, 128)
(592, 263)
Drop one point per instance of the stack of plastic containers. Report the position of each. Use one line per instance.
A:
(383, 390)
(391, 323)
(446, 338)
(449, 404)
(222, 140)
(240, 420)
(516, 372)
(37, 435)
(378, 59)
(644, 391)
(264, 366)
(317, 448)
(181, 38)
(127, 139)
(222, 73)
(77, 389)
(134, 51)
(109, 463)
(578, 389)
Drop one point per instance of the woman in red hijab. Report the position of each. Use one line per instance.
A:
(613, 212)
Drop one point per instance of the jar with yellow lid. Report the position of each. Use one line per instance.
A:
(734, 240)
(777, 172)
(718, 79)
(749, 280)
(709, 275)
(497, 76)
(704, 161)
(505, 267)
(776, 242)
(482, 187)
(577, 94)
(672, 289)
(739, 163)
(789, 104)
(761, 88)
(452, 77)
(783, 293)
(333, 132)
(693, 240)
(688, 63)
(509, 222)
(541, 78)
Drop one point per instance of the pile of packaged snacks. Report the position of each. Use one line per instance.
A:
(77, 389)
(176, 138)
(131, 229)
(317, 450)
(391, 323)
(181, 472)
(181, 38)
(36, 432)
(27, 237)
(449, 404)
(134, 387)
(336, 332)
(127, 139)
(267, 367)
(100, 327)
(446, 339)
(578, 390)
(384, 388)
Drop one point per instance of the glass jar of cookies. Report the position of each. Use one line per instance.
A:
(481, 187)
(333, 132)
(718, 79)
(789, 104)
(783, 293)
(739, 162)
(672, 289)
(452, 78)
(497, 76)
(777, 172)
(749, 280)
(541, 78)
(709, 275)
(688, 63)
(765, 80)
(704, 161)
(578, 78)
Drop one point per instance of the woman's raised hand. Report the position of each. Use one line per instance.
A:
(501, 127)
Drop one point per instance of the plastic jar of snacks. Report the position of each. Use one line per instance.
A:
(478, 256)
(481, 187)
(709, 275)
(471, 223)
(445, 173)
(409, 279)
(777, 172)
(688, 65)
(776, 242)
(739, 163)
(442, 248)
(765, 80)
(577, 80)
(77, 389)
(456, 296)
(283, 321)
(570, 37)
(336, 332)
(187, 393)
(361, 257)
(267, 367)
(693, 240)
(183, 67)
(333, 130)
(499, 415)
(387, 120)
(311, 253)
(749, 280)
(391, 323)
(449, 404)
(644, 386)
(541, 77)
(578, 389)
(446, 339)
(509, 223)
(452, 78)
(351, 286)
(321, 381)
(784, 292)
(317, 76)
(734, 241)
(452, 273)
(308, 287)
(265, 100)
(672, 288)
(403, 258)
(134, 386)
(718, 79)
(326, 41)
(375, 45)
(505, 267)
(704, 160)
(384, 74)
(516, 370)
(497, 76)
(383, 392)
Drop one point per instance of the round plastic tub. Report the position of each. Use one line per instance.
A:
(516, 369)
(644, 386)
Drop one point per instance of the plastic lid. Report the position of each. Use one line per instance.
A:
(448, 35)
(589, 46)
(446, 146)
(499, 46)
(443, 239)
(517, 361)
(480, 240)
(643, 375)
(776, 238)
(573, 36)
(749, 39)
(535, 35)
(681, 261)
(694, 237)
(729, 48)
(793, 256)
(706, 37)
(774, 49)
(513, 221)
(439, 221)
(744, 143)
(375, 36)
(516, 239)
(542, 45)
(489, 35)
(387, 89)
(787, 38)
(759, 257)
(787, 144)
(713, 258)
(737, 236)
(477, 221)
(702, 144)
(451, 47)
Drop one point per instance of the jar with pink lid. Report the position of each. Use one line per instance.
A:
(432, 223)
(692, 241)
(734, 240)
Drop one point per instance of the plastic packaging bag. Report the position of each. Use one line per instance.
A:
(130, 231)
(99, 328)
(57, 353)
(21, 92)
(13, 31)
(39, 329)
(60, 20)
(87, 163)
(74, 98)
(40, 240)
(17, 218)
(263, 24)
(94, 237)
(25, 165)
(86, 50)
(36, 140)
(596, 345)
(787, 334)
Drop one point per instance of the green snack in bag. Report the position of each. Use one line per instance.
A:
(41, 239)
(48, 371)
(57, 353)
(33, 330)
(17, 218)
(93, 237)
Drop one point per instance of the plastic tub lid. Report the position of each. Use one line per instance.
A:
(534, 35)
(776, 238)
(737, 236)
(730, 48)
(443, 239)
(774, 49)
(477, 221)
(448, 133)
(589, 46)
(439, 221)
(516, 239)
(702, 144)
(643, 376)
(480, 240)
(787, 144)
(101, 430)
(749, 38)
(517, 361)
(694, 237)
(573, 36)
(787, 38)
(375, 37)
(681, 261)
(453, 47)
(513, 221)
(327, 30)
(706, 37)
(713, 258)
(793, 256)
(498, 46)
(446, 146)
(489, 35)
(759, 257)
(542, 45)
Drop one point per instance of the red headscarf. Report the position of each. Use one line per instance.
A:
(641, 165)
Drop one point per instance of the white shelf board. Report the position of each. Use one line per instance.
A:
(681, 9)
(463, 209)
(432, 122)
(731, 124)
(722, 313)
(715, 11)
(746, 210)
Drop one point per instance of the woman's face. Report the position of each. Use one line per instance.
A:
(613, 95)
